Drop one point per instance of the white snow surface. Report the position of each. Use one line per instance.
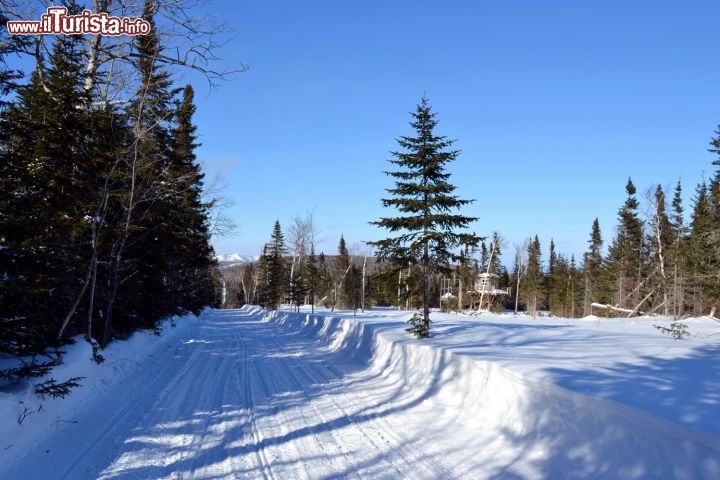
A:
(254, 394)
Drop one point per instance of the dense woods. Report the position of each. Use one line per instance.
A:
(103, 222)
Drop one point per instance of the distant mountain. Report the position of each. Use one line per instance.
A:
(234, 258)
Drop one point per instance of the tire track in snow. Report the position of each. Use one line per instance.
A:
(358, 407)
(248, 402)
(334, 419)
(118, 421)
(245, 399)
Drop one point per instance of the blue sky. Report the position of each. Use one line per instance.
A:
(554, 104)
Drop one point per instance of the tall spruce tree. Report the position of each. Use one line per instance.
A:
(659, 244)
(312, 276)
(190, 258)
(534, 283)
(678, 253)
(496, 267)
(427, 233)
(625, 261)
(592, 269)
(275, 268)
(554, 278)
(341, 270)
(700, 249)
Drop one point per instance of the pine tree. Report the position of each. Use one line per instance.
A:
(484, 256)
(555, 276)
(465, 277)
(660, 241)
(625, 261)
(534, 282)
(312, 274)
(352, 288)
(427, 233)
(699, 249)
(678, 254)
(496, 267)
(48, 187)
(574, 287)
(342, 268)
(190, 260)
(592, 269)
(276, 268)
(325, 290)
(143, 232)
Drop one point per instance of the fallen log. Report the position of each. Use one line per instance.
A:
(613, 308)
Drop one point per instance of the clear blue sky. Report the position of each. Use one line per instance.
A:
(554, 104)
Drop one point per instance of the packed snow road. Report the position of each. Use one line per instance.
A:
(254, 394)
(245, 399)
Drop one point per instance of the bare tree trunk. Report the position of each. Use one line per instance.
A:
(92, 268)
(119, 246)
(487, 272)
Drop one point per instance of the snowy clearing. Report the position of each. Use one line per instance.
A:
(250, 394)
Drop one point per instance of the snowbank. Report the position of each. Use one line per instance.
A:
(527, 425)
(25, 418)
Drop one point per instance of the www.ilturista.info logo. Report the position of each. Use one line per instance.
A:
(57, 21)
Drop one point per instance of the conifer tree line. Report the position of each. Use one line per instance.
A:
(659, 261)
(103, 222)
(289, 272)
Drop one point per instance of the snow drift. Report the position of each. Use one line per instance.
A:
(517, 426)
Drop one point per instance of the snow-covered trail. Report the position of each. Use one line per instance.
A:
(255, 394)
(245, 399)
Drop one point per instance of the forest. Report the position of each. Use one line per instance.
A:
(104, 224)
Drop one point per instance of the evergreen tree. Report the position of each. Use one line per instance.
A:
(263, 282)
(142, 231)
(325, 289)
(342, 268)
(484, 256)
(574, 288)
(700, 248)
(465, 277)
(660, 241)
(352, 288)
(592, 269)
(678, 253)
(276, 268)
(427, 233)
(703, 245)
(534, 282)
(496, 267)
(555, 275)
(625, 261)
(190, 260)
(47, 190)
(312, 274)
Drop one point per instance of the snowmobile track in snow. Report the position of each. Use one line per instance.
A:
(281, 395)
(245, 399)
